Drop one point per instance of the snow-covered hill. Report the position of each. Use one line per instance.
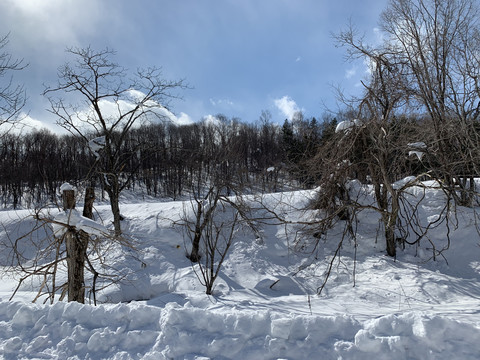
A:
(265, 304)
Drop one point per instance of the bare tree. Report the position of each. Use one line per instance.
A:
(107, 104)
(12, 97)
(420, 65)
(437, 41)
(377, 139)
(210, 224)
(203, 209)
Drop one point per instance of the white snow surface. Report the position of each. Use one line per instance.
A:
(265, 304)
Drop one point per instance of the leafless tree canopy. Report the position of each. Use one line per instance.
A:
(12, 97)
(418, 115)
(106, 103)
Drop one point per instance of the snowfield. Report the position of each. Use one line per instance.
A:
(264, 304)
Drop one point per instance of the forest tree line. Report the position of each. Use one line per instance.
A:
(166, 160)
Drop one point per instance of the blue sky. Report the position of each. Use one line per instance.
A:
(239, 56)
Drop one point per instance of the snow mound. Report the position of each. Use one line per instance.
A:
(140, 331)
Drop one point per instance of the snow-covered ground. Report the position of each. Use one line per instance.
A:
(265, 304)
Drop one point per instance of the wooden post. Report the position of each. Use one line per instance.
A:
(68, 197)
(76, 245)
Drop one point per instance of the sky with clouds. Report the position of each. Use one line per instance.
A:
(238, 56)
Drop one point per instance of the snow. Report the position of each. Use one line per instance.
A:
(66, 187)
(265, 304)
(346, 125)
(73, 218)
(418, 149)
(139, 331)
(96, 145)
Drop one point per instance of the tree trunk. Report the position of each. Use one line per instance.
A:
(84, 239)
(76, 243)
(195, 253)
(114, 205)
(390, 221)
(202, 218)
(117, 217)
(89, 199)
(390, 239)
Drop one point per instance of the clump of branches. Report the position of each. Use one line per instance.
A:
(375, 164)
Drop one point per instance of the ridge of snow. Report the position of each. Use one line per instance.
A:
(139, 331)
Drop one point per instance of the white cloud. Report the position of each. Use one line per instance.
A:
(112, 110)
(369, 66)
(221, 102)
(349, 73)
(54, 21)
(210, 120)
(299, 58)
(184, 119)
(25, 125)
(32, 123)
(379, 36)
(287, 106)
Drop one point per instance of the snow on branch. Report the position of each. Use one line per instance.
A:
(97, 144)
(346, 125)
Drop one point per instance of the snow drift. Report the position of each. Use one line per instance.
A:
(264, 305)
(139, 331)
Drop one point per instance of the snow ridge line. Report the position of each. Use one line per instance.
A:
(140, 331)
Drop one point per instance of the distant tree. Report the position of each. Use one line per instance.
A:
(110, 105)
(300, 140)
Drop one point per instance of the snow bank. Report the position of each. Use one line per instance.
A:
(140, 331)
